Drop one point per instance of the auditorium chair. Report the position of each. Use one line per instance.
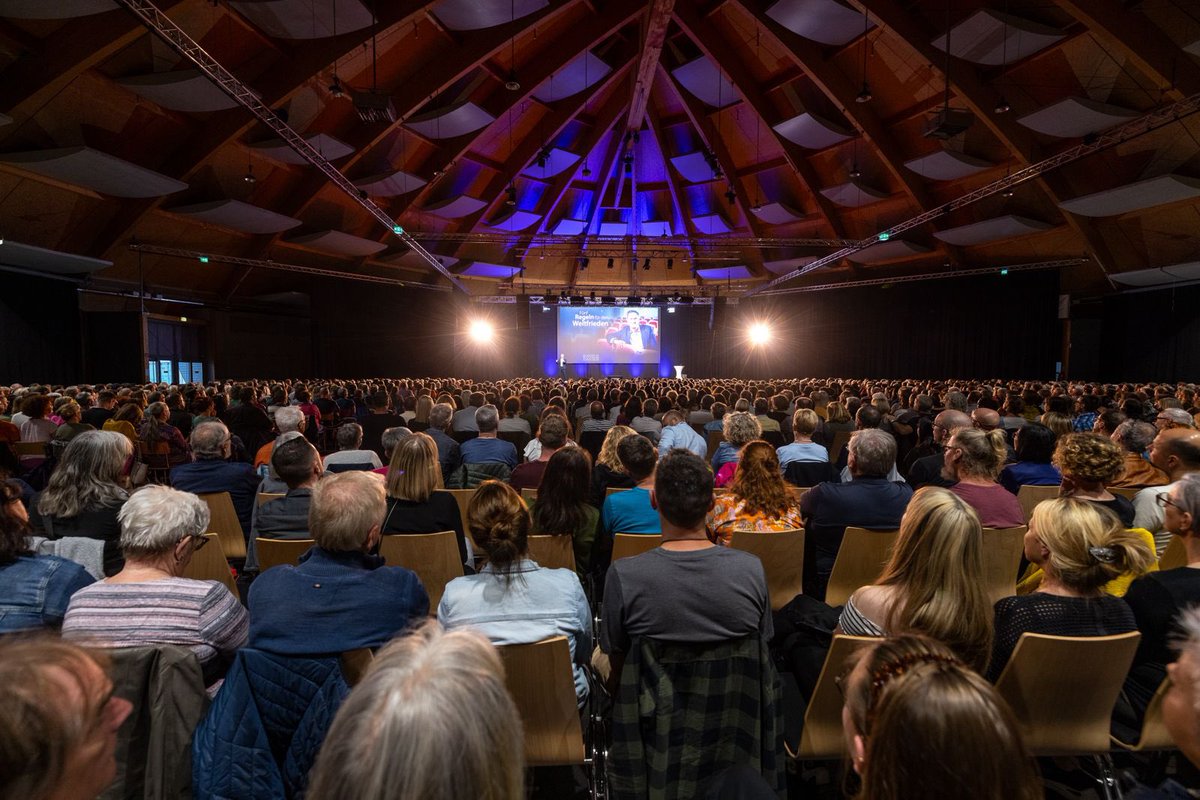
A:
(463, 498)
(634, 544)
(223, 521)
(209, 564)
(519, 439)
(611, 490)
(266, 497)
(553, 552)
(156, 457)
(809, 473)
(433, 556)
(1154, 734)
(592, 441)
(823, 738)
(277, 552)
(529, 496)
(1002, 551)
(859, 562)
(782, 557)
(1174, 555)
(713, 441)
(1030, 496)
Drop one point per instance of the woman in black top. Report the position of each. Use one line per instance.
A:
(1089, 462)
(415, 503)
(608, 472)
(1080, 548)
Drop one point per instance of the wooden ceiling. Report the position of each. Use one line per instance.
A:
(698, 145)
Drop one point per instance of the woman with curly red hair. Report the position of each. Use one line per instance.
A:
(759, 499)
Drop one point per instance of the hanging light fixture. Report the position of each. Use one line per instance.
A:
(865, 96)
(511, 192)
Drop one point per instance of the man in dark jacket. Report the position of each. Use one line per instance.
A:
(211, 472)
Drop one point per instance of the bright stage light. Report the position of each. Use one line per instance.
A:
(481, 330)
(759, 333)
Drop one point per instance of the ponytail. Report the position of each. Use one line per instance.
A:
(499, 523)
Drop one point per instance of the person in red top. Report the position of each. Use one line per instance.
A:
(552, 433)
(974, 458)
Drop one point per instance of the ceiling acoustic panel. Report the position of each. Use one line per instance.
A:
(892, 250)
(331, 149)
(1193, 48)
(450, 122)
(481, 269)
(992, 38)
(829, 22)
(584, 71)
(853, 194)
(54, 9)
(304, 19)
(473, 15)
(992, 230)
(238, 215)
(694, 167)
(711, 223)
(738, 273)
(455, 207)
(570, 227)
(812, 131)
(1158, 276)
(5, 119)
(183, 90)
(1076, 116)
(614, 228)
(776, 213)
(947, 165)
(556, 161)
(1134, 196)
(514, 220)
(339, 243)
(83, 166)
(707, 83)
(390, 184)
(656, 227)
(26, 256)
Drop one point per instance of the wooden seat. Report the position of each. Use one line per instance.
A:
(1128, 492)
(712, 442)
(156, 457)
(1030, 496)
(553, 552)
(859, 561)
(1063, 709)
(209, 564)
(266, 497)
(433, 556)
(1174, 555)
(1155, 735)
(782, 557)
(823, 737)
(542, 684)
(29, 448)
(529, 496)
(277, 552)
(634, 544)
(840, 439)
(223, 521)
(463, 498)
(1002, 550)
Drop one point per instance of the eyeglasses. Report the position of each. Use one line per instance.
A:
(198, 542)
(1165, 500)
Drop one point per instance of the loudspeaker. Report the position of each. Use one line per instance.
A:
(522, 313)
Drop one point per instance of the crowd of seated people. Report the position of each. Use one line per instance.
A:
(91, 553)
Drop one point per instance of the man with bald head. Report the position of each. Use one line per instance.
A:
(988, 419)
(927, 471)
(1177, 453)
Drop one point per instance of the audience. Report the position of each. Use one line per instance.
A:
(1181, 707)
(973, 459)
(486, 447)
(349, 454)
(1134, 438)
(1034, 446)
(803, 448)
(740, 429)
(608, 472)
(677, 433)
(288, 419)
(416, 502)
(370, 433)
(71, 427)
(298, 465)
(1177, 453)
(562, 507)
(552, 434)
(449, 451)
(759, 499)
(631, 511)
(212, 472)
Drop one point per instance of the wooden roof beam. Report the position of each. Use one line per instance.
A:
(657, 22)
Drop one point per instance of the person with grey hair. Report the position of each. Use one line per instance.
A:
(426, 694)
(350, 455)
(486, 447)
(213, 473)
(1134, 439)
(1175, 417)
(390, 438)
(552, 435)
(148, 602)
(339, 597)
(738, 428)
(449, 451)
(869, 501)
(288, 419)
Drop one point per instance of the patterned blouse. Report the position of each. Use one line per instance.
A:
(729, 514)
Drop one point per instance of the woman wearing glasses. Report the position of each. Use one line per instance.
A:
(148, 602)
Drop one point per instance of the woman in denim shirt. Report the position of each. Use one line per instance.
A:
(34, 589)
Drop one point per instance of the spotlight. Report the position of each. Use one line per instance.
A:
(865, 95)
(670, 309)
(249, 176)
(855, 172)
(610, 262)
(1008, 192)
(481, 330)
(1002, 106)
(512, 84)
(646, 265)
(759, 334)
(511, 191)
(335, 89)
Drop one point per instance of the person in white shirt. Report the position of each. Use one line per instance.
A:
(676, 433)
(349, 439)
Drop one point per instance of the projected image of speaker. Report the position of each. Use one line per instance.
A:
(609, 335)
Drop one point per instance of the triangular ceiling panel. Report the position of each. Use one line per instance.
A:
(992, 38)
(992, 230)
(853, 194)
(183, 90)
(1160, 276)
(330, 148)
(580, 73)
(892, 250)
(694, 167)
(456, 207)
(776, 213)
(830, 22)
(390, 184)
(304, 19)
(472, 15)
(556, 161)
(707, 83)
(340, 243)
(812, 131)
(92, 169)
(451, 122)
(947, 165)
(1076, 116)
(239, 216)
(38, 259)
(1135, 196)
(512, 220)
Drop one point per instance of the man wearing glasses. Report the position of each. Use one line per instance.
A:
(1177, 453)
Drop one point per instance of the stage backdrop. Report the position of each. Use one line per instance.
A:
(608, 335)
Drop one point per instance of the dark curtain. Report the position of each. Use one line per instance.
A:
(39, 330)
(1151, 336)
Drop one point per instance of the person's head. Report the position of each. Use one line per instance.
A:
(741, 427)
(512, 407)
(423, 406)
(426, 694)
(89, 475)
(1108, 421)
(920, 723)
(608, 451)
(349, 436)
(37, 406)
(487, 418)
(719, 410)
(1170, 418)
(499, 523)
(1133, 436)
(1082, 544)
(58, 721)
(295, 460)
(867, 417)
(937, 569)
(632, 318)
(157, 412)
(211, 441)
(566, 483)
(129, 412)
(1181, 507)
(70, 411)
(972, 453)
(390, 438)
(837, 413)
(683, 491)
(1176, 451)
(163, 526)
(106, 399)
(805, 422)
(1088, 460)
(346, 512)
(14, 523)
(289, 419)
(414, 472)
(672, 418)
(552, 432)
(637, 457)
(1181, 706)
(597, 411)
(872, 453)
(440, 416)
(1034, 442)
(759, 480)
(985, 419)
(945, 422)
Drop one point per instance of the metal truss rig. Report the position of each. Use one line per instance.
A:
(172, 34)
(197, 255)
(928, 276)
(1130, 130)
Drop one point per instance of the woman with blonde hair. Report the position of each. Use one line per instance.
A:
(920, 723)
(420, 420)
(1079, 548)
(607, 472)
(426, 695)
(415, 500)
(973, 458)
(933, 583)
(759, 500)
(513, 600)
(126, 422)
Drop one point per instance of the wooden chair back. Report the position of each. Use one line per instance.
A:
(1002, 549)
(355, 664)
(542, 684)
(433, 556)
(277, 552)
(1174, 555)
(1128, 492)
(156, 457)
(463, 498)
(634, 544)
(529, 496)
(209, 564)
(712, 442)
(223, 521)
(1030, 496)
(823, 737)
(840, 439)
(798, 492)
(29, 448)
(1155, 735)
(782, 557)
(266, 497)
(859, 561)
(1061, 708)
(553, 552)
